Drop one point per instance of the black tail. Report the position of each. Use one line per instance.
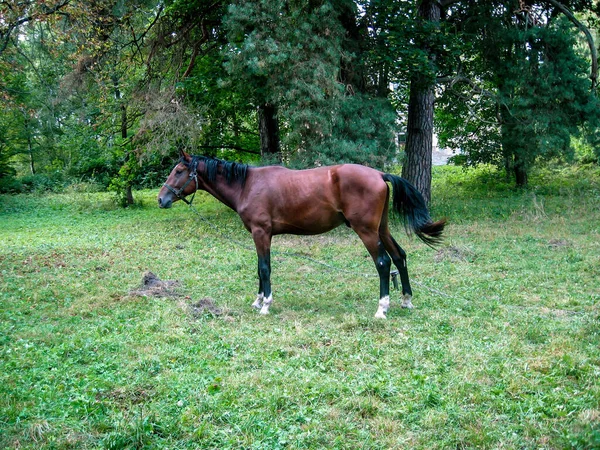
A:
(410, 204)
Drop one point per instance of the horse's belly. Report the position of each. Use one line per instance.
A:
(309, 224)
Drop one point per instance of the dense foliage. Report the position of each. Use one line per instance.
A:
(92, 91)
(533, 91)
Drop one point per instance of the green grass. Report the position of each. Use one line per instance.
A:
(501, 351)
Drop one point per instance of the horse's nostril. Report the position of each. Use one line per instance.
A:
(164, 202)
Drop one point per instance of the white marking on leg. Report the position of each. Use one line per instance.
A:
(258, 302)
(406, 301)
(384, 305)
(266, 303)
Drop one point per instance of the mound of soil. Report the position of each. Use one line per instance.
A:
(152, 286)
(558, 243)
(203, 306)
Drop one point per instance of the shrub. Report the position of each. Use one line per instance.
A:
(40, 183)
(10, 185)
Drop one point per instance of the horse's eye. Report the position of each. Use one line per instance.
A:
(178, 172)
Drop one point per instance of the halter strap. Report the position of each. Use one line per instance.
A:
(193, 176)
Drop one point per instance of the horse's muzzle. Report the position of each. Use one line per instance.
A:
(164, 202)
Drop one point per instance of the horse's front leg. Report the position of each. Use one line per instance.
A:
(261, 292)
(262, 240)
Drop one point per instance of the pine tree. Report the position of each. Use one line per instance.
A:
(288, 58)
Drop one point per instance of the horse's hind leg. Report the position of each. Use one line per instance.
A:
(399, 258)
(397, 253)
(382, 263)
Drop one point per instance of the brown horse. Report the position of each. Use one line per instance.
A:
(274, 200)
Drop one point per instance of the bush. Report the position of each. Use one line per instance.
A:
(33, 184)
(10, 185)
(85, 187)
(40, 183)
(99, 170)
(584, 151)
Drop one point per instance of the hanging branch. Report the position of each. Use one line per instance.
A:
(588, 36)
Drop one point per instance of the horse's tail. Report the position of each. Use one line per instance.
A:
(410, 204)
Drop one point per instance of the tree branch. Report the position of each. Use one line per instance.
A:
(452, 80)
(11, 26)
(136, 39)
(588, 36)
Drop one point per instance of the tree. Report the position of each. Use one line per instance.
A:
(31, 73)
(434, 45)
(288, 58)
(523, 92)
(412, 45)
(303, 83)
(151, 77)
(419, 129)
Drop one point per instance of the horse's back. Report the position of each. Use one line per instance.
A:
(356, 181)
(314, 200)
(332, 182)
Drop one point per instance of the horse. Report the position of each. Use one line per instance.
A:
(273, 200)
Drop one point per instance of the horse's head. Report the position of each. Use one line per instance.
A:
(182, 181)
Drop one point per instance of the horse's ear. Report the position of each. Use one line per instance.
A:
(185, 156)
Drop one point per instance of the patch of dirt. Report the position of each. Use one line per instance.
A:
(203, 306)
(558, 243)
(558, 312)
(152, 286)
(453, 253)
(125, 396)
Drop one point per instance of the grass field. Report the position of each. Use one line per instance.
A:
(501, 351)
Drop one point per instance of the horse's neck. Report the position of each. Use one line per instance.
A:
(228, 194)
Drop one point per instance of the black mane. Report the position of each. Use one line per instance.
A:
(233, 172)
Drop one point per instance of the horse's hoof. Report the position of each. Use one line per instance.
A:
(264, 310)
(259, 301)
(384, 305)
(407, 303)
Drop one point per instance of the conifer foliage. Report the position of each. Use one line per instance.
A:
(524, 90)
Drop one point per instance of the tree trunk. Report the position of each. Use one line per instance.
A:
(419, 133)
(520, 169)
(514, 149)
(268, 128)
(128, 188)
(27, 123)
(30, 150)
(123, 121)
(419, 139)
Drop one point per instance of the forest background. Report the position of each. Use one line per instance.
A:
(102, 94)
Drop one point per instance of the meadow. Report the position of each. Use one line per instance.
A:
(502, 349)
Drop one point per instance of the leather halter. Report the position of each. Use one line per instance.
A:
(193, 176)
